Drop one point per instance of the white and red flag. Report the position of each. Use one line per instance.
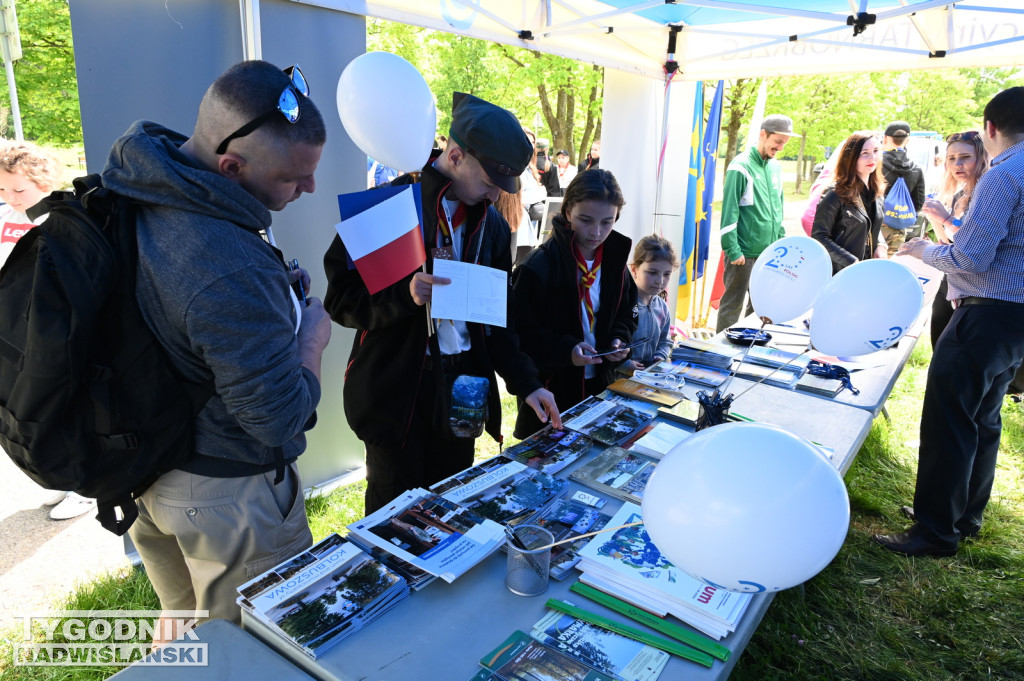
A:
(381, 232)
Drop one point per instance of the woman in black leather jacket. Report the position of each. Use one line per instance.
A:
(849, 215)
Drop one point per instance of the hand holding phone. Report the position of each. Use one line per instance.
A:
(300, 290)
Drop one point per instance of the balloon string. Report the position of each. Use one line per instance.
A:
(588, 534)
(732, 374)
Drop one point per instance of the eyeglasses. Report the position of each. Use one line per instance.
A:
(287, 106)
(962, 136)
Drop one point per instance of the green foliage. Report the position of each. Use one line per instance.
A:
(562, 95)
(45, 76)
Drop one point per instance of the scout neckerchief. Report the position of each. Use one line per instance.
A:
(588, 275)
(445, 229)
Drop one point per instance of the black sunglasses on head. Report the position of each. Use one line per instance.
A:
(962, 136)
(287, 106)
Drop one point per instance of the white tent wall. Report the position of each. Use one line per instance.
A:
(631, 141)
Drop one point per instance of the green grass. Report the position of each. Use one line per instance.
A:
(870, 615)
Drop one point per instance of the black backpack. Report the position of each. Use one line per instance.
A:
(89, 401)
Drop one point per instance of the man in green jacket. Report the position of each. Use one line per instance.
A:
(751, 212)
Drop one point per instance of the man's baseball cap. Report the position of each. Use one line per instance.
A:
(493, 137)
(898, 129)
(778, 124)
(562, 152)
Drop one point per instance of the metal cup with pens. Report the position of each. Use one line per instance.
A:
(529, 559)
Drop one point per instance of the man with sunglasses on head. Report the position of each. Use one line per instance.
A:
(399, 377)
(219, 298)
(980, 349)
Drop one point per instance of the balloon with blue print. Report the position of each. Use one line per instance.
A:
(747, 507)
(787, 277)
(865, 308)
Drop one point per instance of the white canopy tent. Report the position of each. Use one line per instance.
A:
(728, 39)
(654, 47)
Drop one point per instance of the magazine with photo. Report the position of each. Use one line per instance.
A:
(477, 477)
(641, 391)
(600, 648)
(517, 498)
(783, 377)
(631, 402)
(705, 353)
(628, 559)
(506, 492)
(550, 450)
(326, 600)
(773, 357)
(569, 517)
(521, 657)
(617, 472)
(693, 373)
(430, 532)
(606, 422)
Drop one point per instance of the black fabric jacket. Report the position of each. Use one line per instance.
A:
(895, 164)
(388, 354)
(547, 311)
(845, 230)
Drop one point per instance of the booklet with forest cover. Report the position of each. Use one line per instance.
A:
(521, 657)
(606, 422)
(602, 649)
(323, 595)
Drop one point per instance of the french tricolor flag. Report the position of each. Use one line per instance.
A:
(381, 232)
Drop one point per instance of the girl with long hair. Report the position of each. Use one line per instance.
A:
(574, 300)
(849, 216)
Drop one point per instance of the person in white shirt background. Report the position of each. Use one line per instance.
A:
(27, 175)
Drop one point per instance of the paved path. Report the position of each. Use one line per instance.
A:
(41, 560)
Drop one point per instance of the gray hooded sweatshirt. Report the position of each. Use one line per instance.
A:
(217, 296)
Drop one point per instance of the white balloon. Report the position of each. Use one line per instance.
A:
(788, 276)
(388, 110)
(866, 307)
(747, 507)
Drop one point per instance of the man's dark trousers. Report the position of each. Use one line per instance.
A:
(972, 365)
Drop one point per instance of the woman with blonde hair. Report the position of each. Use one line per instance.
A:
(966, 162)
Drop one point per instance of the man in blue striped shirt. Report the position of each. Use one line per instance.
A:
(976, 356)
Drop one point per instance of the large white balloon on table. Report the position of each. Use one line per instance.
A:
(747, 507)
(866, 307)
(788, 276)
(388, 110)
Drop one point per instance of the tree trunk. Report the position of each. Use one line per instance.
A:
(801, 163)
(739, 105)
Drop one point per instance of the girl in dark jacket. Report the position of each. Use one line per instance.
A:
(574, 297)
(849, 215)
